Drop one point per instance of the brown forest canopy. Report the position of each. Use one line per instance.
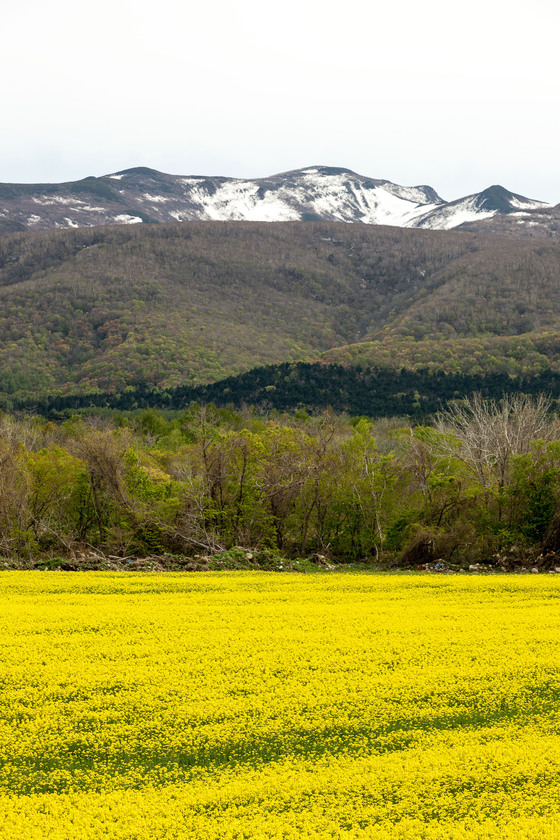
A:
(195, 302)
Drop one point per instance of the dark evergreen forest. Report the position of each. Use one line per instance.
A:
(374, 393)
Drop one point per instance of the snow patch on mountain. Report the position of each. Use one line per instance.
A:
(55, 199)
(235, 200)
(126, 219)
(452, 216)
(527, 203)
(347, 197)
(156, 199)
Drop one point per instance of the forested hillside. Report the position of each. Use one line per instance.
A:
(525, 355)
(169, 305)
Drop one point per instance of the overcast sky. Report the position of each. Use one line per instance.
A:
(457, 96)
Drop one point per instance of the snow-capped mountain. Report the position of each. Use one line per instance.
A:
(316, 193)
(311, 194)
(491, 202)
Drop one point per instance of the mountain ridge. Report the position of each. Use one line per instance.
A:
(315, 193)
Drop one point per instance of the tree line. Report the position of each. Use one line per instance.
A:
(480, 484)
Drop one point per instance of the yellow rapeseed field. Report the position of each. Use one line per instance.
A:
(257, 705)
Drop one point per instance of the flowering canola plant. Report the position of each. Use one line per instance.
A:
(259, 705)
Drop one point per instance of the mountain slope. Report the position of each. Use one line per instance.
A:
(194, 302)
(494, 201)
(315, 193)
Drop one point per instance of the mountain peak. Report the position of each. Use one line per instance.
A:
(497, 198)
(327, 170)
(139, 170)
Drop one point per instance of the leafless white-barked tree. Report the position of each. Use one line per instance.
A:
(485, 434)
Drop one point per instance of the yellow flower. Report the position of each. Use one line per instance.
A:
(254, 705)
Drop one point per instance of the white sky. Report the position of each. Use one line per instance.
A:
(458, 96)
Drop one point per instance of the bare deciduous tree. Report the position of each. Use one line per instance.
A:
(484, 434)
